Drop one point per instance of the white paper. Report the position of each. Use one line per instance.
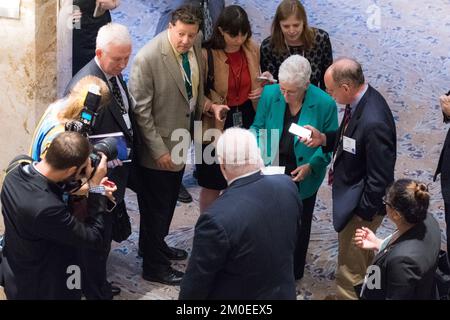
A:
(349, 145)
(272, 170)
(300, 131)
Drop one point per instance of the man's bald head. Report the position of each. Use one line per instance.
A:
(347, 71)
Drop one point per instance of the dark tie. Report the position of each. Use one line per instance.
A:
(345, 121)
(187, 76)
(117, 94)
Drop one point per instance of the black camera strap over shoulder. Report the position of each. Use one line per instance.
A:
(23, 158)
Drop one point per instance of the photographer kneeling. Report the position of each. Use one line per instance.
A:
(41, 236)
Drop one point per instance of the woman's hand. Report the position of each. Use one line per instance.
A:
(365, 239)
(220, 111)
(255, 94)
(301, 172)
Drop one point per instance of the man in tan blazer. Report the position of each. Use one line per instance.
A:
(167, 84)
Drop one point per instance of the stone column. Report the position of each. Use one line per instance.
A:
(27, 75)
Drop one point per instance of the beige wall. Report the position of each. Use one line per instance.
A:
(27, 74)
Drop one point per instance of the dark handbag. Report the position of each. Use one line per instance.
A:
(121, 224)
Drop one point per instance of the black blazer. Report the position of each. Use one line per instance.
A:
(244, 242)
(444, 170)
(41, 236)
(409, 264)
(111, 120)
(84, 37)
(361, 179)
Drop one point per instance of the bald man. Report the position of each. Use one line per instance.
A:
(364, 155)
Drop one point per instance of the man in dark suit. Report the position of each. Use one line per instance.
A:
(443, 168)
(364, 154)
(112, 54)
(41, 235)
(244, 242)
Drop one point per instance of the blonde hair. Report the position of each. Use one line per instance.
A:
(75, 100)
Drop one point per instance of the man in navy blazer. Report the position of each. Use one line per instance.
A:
(244, 243)
(443, 168)
(364, 155)
(112, 54)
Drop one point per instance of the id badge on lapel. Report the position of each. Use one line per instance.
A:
(237, 119)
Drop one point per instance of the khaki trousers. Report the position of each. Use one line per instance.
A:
(353, 261)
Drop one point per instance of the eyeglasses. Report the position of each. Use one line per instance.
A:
(386, 203)
(288, 93)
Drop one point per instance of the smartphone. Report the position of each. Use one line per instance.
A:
(262, 78)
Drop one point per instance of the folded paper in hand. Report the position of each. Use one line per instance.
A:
(300, 131)
(272, 170)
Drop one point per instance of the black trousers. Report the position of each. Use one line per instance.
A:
(94, 283)
(157, 201)
(447, 222)
(303, 236)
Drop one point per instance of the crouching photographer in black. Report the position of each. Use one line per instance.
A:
(41, 236)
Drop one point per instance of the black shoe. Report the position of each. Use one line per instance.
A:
(176, 254)
(115, 290)
(183, 195)
(170, 277)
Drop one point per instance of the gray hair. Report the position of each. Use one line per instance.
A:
(296, 70)
(238, 151)
(112, 33)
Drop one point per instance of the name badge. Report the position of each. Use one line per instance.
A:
(126, 118)
(349, 145)
(237, 119)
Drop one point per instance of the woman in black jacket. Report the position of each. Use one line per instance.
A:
(406, 262)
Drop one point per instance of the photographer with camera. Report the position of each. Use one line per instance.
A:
(41, 236)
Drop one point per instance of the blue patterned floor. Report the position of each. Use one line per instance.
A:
(404, 47)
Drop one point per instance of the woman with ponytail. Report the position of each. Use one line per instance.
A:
(405, 265)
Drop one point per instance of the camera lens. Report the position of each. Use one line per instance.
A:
(108, 147)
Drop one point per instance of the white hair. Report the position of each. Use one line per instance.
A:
(112, 33)
(238, 151)
(295, 70)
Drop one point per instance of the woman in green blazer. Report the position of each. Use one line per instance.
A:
(295, 100)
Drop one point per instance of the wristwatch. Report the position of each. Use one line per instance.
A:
(98, 189)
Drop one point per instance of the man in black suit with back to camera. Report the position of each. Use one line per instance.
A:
(364, 154)
(443, 167)
(244, 242)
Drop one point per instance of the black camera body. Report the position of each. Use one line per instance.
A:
(86, 122)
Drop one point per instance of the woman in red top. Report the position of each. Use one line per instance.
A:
(235, 90)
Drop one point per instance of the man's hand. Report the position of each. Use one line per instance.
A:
(317, 138)
(83, 191)
(114, 163)
(445, 104)
(165, 162)
(99, 173)
(301, 172)
(219, 111)
(108, 4)
(110, 188)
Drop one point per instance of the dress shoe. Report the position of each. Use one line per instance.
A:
(170, 277)
(183, 195)
(115, 290)
(176, 254)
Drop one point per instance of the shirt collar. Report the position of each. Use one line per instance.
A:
(243, 176)
(107, 76)
(355, 103)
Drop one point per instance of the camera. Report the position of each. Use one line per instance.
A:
(88, 114)
(108, 147)
(85, 123)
